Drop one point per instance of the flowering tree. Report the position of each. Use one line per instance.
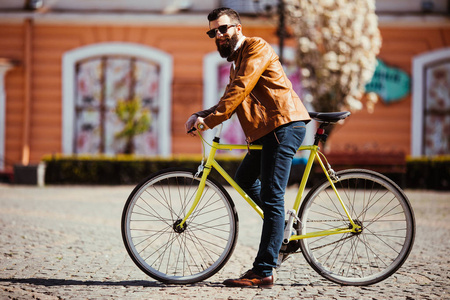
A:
(337, 44)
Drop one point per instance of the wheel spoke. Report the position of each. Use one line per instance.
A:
(387, 228)
(160, 247)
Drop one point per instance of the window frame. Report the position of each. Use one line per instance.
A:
(69, 62)
(420, 63)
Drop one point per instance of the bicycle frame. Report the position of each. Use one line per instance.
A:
(314, 155)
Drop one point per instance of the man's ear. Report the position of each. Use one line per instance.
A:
(239, 28)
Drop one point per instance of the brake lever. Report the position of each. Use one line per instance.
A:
(200, 126)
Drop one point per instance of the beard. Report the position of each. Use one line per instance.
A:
(227, 48)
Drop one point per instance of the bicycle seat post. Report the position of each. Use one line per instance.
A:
(320, 135)
(326, 119)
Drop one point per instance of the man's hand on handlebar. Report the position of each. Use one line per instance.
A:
(200, 125)
(195, 123)
(189, 125)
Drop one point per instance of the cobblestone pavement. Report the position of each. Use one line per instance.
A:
(64, 242)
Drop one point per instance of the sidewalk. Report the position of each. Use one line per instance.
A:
(64, 242)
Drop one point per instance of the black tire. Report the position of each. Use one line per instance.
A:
(388, 228)
(149, 222)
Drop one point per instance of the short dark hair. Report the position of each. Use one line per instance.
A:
(218, 12)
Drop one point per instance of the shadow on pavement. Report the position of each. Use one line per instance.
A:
(57, 282)
(69, 282)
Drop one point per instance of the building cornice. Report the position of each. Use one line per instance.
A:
(191, 19)
(413, 21)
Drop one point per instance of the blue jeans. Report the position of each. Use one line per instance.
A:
(264, 175)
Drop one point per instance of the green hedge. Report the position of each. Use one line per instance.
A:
(122, 169)
(428, 172)
(421, 173)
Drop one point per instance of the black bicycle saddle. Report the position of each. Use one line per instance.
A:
(329, 117)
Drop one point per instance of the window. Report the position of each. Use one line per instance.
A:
(102, 85)
(118, 102)
(431, 104)
(437, 110)
(216, 75)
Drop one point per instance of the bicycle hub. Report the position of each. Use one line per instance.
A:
(177, 228)
(357, 230)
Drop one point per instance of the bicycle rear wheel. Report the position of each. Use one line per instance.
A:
(375, 203)
(150, 234)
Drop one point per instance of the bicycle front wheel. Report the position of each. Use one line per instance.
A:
(155, 243)
(376, 204)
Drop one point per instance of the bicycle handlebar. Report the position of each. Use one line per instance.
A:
(200, 126)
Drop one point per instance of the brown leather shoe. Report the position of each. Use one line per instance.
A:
(249, 279)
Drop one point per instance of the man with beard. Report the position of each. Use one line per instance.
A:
(271, 114)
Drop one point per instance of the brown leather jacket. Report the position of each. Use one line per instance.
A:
(259, 92)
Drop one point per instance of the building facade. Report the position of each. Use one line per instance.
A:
(64, 72)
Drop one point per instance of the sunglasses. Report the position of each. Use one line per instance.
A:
(222, 29)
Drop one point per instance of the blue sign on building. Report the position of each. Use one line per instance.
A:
(391, 84)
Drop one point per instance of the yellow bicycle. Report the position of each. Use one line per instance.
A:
(356, 227)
